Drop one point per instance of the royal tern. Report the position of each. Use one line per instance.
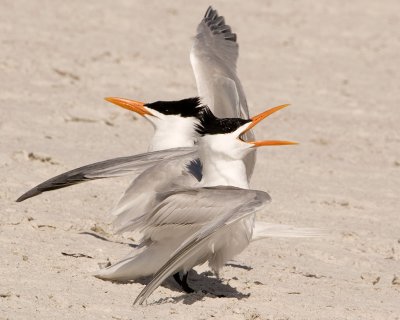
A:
(213, 56)
(220, 198)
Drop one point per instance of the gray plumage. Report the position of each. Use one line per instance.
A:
(224, 207)
(214, 56)
(106, 169)
(180, 214)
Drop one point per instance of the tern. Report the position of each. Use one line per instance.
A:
(218, 210)
(159, 170)
(173, 146)
(213, 56)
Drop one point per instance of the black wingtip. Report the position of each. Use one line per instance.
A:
(31, 193)
(217, 24)
(211, 13)
(208, 11)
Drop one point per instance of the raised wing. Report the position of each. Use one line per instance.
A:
(106, 169)
(225, 206)
(213, 57)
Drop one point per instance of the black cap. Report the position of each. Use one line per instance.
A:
(190, 107)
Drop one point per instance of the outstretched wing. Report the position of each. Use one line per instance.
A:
(226, 205)
(213, 57)
(106, 169)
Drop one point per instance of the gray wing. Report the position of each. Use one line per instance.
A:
(106, 169)
(143, 193)
(213, 57)
(179, 209)
(226, 205)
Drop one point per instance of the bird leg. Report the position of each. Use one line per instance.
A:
(177, 279)
(185, 286)
(183, 282)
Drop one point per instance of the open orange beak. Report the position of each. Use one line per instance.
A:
(257, 119)
(136, 106)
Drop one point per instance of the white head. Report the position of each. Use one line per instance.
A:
(222, 147)
(174, 122)
(224, 138)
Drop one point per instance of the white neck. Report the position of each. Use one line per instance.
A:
(172, 132)
(167, 140)
(220, 169)
(224, 173)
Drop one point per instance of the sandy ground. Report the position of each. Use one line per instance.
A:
(336, 62)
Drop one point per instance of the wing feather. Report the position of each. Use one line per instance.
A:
(106, 169)
(143, 193)
(244, 203)
(213, 56)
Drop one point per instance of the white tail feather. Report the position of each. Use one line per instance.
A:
(264, 230)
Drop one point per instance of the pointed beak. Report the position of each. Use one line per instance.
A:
(257, 119)
(136, 106)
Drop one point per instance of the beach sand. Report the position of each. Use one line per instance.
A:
(336, 63)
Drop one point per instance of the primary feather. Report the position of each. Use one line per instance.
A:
(106, 169)
(210, 241)
(180, 214)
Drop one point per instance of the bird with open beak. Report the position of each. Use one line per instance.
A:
(178, 214)
(213, 56)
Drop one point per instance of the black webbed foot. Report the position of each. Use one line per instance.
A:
(183, 282)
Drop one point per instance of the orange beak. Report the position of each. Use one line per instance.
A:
(136, 106)
(257, 119)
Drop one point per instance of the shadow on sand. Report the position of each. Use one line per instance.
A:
(205, 284)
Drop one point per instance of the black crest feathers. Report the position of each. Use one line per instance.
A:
(210, 124)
